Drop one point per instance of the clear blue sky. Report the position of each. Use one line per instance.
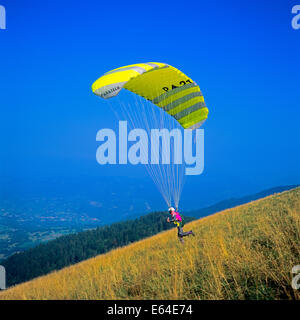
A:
(244, 55)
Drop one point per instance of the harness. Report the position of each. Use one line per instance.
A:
(179, 221)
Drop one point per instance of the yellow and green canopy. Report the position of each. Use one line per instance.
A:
(163, 85)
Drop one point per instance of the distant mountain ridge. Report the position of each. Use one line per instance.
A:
(233, 202)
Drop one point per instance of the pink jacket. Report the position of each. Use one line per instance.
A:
(177, 216)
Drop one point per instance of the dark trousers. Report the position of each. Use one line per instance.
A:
(181, 233)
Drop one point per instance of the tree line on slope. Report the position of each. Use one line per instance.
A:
(67, 250)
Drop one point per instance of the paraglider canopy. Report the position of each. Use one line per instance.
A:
(180, 104)
(163, 85)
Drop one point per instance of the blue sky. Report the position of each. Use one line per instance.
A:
(243, 54)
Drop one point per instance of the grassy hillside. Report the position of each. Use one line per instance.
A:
(70, 249)
(242, 253)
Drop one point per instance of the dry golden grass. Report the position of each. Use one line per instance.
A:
(242, 253)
